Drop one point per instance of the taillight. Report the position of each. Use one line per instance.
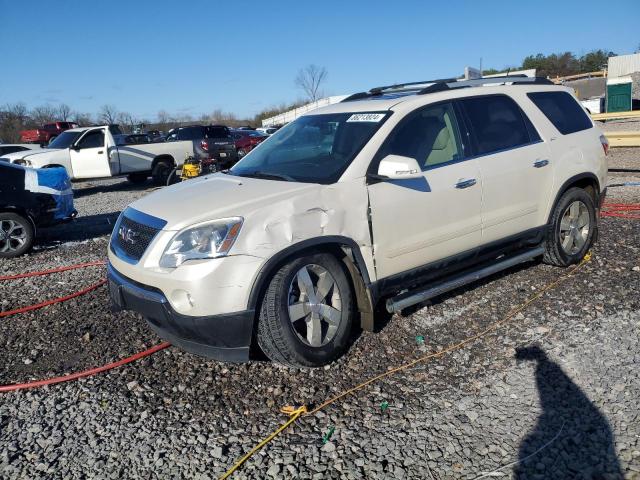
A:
(204, 145)
(605, 144)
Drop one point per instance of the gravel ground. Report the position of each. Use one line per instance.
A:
(553, 394)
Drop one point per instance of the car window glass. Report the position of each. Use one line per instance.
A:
(496, 123)
(562, 110)
(190, 133)
(431, 136)
(93, 139)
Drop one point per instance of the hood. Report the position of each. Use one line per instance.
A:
(31, 153)
(216, 196)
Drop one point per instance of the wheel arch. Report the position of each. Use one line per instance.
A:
(160, 158)
(346, 250)
(22, 212)
(587, 181)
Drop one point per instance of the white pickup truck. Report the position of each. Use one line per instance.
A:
(98, 152)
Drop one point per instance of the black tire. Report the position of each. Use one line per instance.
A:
(277, 335)
(241, 152)
(554, 253)
(161, 172)
(13, 223)
(137, 178)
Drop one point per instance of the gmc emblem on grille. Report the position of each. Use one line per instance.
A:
(127, 235)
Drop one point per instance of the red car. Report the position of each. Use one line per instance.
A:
(246, 140)
(47, 133)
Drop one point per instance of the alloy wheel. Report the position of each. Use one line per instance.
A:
(574, 227)
(315, 305)
(13, 236)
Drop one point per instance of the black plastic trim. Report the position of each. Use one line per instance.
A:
(572, 180)
(443, 268)
(276, 261)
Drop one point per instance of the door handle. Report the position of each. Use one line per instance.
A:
(100, 151)
(540, 163)
(466, 183)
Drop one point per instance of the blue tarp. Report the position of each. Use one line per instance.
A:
(56, 182)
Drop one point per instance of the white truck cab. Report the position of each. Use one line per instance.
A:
(398, 194)
(93, 152)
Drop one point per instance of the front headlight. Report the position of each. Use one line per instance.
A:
(205, 240)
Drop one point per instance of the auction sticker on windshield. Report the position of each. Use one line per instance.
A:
(366, 117)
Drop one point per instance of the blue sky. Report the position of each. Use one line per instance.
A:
(196, 56)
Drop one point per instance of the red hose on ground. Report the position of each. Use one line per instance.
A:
(28, 308)
(85, 373)
(53, 270)
(621, 210)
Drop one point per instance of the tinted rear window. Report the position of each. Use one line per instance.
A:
(562, 110)
(217, 132)
(191, 133)
(497, 123)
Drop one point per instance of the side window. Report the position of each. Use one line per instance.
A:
(562, 110)
(430, 135)
(190, 133)
(496, 123)
(93, 139)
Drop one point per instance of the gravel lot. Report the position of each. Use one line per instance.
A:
(553, 394)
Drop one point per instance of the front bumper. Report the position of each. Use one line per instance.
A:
(224, 337)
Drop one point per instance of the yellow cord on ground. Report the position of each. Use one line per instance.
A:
(295, 413)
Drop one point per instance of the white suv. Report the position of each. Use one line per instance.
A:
(400, 193)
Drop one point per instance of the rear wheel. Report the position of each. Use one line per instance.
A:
(307, 311)
(16, 235)
(161, 172)
(572, 229)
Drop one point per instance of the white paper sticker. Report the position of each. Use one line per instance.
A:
(366, 117)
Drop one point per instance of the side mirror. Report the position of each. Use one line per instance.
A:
(76, 147)
(397, 167)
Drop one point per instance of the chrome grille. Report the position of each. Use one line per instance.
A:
(131, 238)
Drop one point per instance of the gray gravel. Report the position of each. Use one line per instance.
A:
(573, 387)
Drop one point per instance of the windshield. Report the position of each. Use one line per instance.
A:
(313, 149)
(65, 140)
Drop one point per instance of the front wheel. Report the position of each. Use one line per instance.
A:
(572, 228)
(16, 235)
(306, 313)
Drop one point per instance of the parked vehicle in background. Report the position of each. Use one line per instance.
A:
(30, 199)
(399, 194)
(102, 151)
(213, 144)
(268, 130)
(245, 127)
(156, 135)
(247, 140)
(46, 133)
(6, 148)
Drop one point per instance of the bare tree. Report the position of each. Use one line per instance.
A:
(43, 114)
(13, 118)
(127, 121)
(82, 119)
(64, 112)
(108, 114)
(309, 79)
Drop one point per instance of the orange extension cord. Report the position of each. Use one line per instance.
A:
(84, 373)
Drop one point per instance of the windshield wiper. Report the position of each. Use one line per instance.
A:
(268, 176)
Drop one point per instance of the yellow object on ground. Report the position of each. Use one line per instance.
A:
(623, 139)
(616, 115)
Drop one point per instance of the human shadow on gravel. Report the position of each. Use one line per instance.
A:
(572, 438)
